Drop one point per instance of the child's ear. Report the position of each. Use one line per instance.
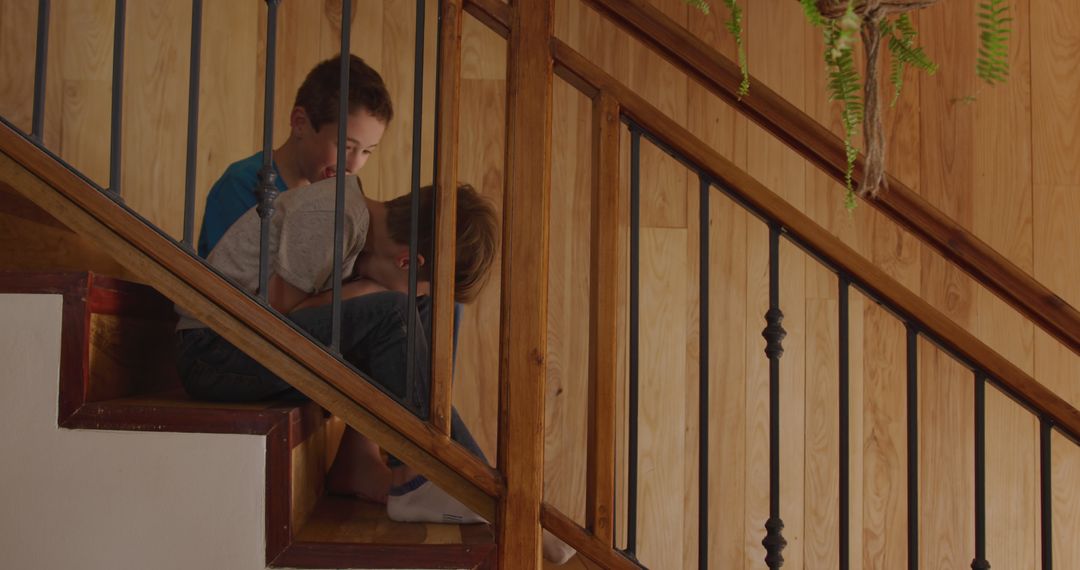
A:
(297, 120)
(403, 260)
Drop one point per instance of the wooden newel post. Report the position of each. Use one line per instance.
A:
(523, 322)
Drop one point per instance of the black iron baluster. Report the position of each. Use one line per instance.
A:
(635, 252)
(37, 125)
(774, 333)
(913, 445)
(267, 178)
(703, 374)
(417, 134)
(193, 123)
(845, 420)
(1046, 492)
(117, 97)
(345, 65)
(980, 562)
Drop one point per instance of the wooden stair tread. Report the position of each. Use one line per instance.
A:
(340, 519)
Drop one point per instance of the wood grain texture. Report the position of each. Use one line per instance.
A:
(822, 435)
(148, 256)
(446, 175)
(1012, 483)
(661, 413)
(884, 471)
(1065, 501)
(727, 391)
(604, 280)
(566, 391)
(18, 26)
(946, 460)
(523, 313)
(787, 122)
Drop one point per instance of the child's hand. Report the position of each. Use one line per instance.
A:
(349, 289)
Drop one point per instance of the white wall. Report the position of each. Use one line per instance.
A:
(112, 500)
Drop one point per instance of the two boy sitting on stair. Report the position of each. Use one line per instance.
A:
(375, 308)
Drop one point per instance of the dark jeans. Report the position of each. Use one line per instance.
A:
(373, 339)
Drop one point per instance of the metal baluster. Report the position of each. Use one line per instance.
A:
(635, 253)
(845, 421)
(980, 562)
(1046, 492)
(339, 200)
(774, 334)
(37, 125)
(414, 223)
(267, 178)
(117, 97)
(703, 374)
(193, 123)
(913, 445)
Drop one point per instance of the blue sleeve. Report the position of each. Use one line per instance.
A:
(229, 198)
(457, 323)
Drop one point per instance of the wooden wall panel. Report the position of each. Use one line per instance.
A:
(155, 111)
(567, 391)
(727, 385)
(481, 163)
(18, 24)
(822, 433)
(756, 498)
(1012, 483)
(1002, 196)
(1066, 502)
(85, 63)
(228, 130)
(1058, 208)
(661, 413)
(946, 460)
(884, 442)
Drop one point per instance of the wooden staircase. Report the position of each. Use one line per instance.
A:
(116, 374)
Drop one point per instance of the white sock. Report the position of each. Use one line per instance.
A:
(430, 504)
(555, 550)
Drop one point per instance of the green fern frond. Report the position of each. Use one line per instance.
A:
(904, 53)
(813, 15)
(992, 64)
(734, 27)
(701, 5)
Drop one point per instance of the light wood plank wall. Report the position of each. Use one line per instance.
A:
(1005, 167)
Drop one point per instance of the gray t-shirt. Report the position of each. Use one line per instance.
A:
(301, 240)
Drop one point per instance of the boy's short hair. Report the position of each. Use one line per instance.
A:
(319, 93)
(477, 236)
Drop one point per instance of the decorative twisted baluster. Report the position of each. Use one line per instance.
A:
(774, 543)
(774, 335)
(267, 191)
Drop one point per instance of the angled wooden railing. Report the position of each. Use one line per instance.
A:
(245, 322)
(825, 150)
(612, 99)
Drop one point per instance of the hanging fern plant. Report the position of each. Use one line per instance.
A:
(877, 21)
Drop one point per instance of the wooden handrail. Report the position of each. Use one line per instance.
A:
(824, 149)
(577, 69)
(245, 323)
(587, 544)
